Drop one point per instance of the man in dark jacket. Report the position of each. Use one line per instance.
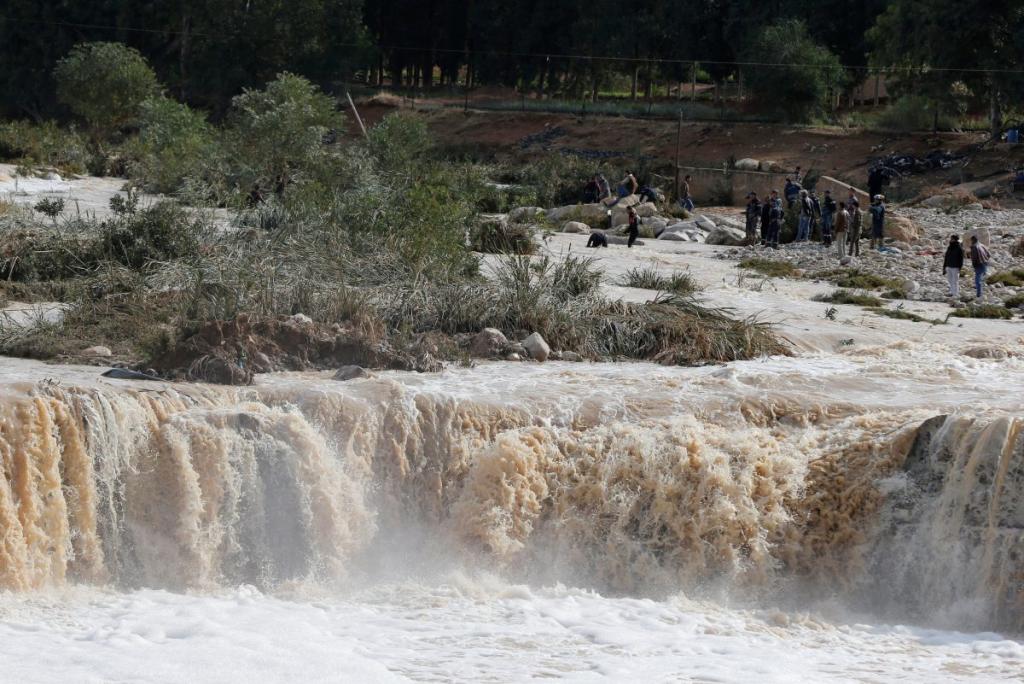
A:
(803, 231)
(791, 191)
(877, 221)
(774, 220)
(828, 215)
(979, 260)
(766, 217)
(633, 229)
(753, 215)
(853, 234)
(952, 263)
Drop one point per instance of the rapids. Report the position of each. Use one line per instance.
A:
(891, 482)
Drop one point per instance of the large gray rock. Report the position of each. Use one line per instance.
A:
(488, 343)
(748, 164)
(350, 373)
(704, 223)
(674, 236)
(725, 235)
(536, 347)
(99, 351)
(594, 215)
(575, 227)
(984, 236)
(525, 214)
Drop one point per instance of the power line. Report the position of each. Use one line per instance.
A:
(543, 55)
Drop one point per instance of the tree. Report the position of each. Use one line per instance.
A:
(793, 74)
(280, 128)
(105, 84)
(938, 45)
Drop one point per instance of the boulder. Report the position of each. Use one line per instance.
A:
(300, 319)
(748, 164)
(652, 228)
(575, 227)
(984, 236)
(901, 229)
(525, 214)
(936, 201)
(1018, 247)
(725, 235)
(488, 343)
(571, 356)
(594, 215)
(350, 373)
(674, 236)
(772, 166)
(536, 347)
(704, 223)
(846, 261)
(97, 351)
(986, 352)
(52, 176)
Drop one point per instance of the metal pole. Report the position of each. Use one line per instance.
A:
(355, 111)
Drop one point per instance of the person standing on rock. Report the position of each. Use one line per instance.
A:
(633, 230)
(604, 190)
(952, 263)
(979, 260)
(685, 200)
(877, 221)
(842, 223)
(798, 176)
(753, 215)
(628, 186)
(803, 231)
(828, 213)
(791, 191)
(855, 223)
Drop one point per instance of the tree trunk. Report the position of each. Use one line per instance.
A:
(995, 113)
(636, 77)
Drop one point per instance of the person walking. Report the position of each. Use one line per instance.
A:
(979, 260)
(685, 199)
(853, 231)
(774, 221)
(828, 213)
(634, 226)
(951, 265)
(753, 215)
(877, 221)
(803, 230)
(842, 223)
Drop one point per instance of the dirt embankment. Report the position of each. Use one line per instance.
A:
(842, 153)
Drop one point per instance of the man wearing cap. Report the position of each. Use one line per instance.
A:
(877, 221)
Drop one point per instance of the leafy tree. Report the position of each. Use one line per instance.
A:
(175, 143)
(797, 73)
(279, 129)
(105, 84)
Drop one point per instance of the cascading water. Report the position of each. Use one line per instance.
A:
(635, 481)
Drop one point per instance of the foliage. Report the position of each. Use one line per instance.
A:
(847, 297)
(275, 132)
(900, 314)
(777, 269)
(856, 279)
(801, 88)
(175, 143)
(50, 206)
(500, 237)
(983, 311)
(1012, 278)
(650, 278)
(1014, 302)
(912, 113)
(105, 84)
(45, 145)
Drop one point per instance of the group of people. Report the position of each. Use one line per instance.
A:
(598, 189)
(953, 262)
(840, 223)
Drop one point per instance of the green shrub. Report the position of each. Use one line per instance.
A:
(1014, 301)
(105, 84)
(1014, 278)
(777, 269)
(857, 279)
(847, 297)
(277, 133)
(174, 144)
(45, 144)
(499, 237)
(983, 311)
(650, 278)
(900, 314)
(911, 113)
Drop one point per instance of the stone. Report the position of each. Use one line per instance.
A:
(771, 166)
(704, 223)
(261, 363)
(986, 352)
(724, 235)
(350, 373)
(571, 356)
(974, 206)
(536, 347)
(935, 201)
(488, 343)
(674, 236)
(846, 261)
(575, 227)
(52, 176)
(912, 286)
(525, 214)
(594, 215)
(1018, 248)
(97, 351)
(983, 233)
(300, 319)
(748, 164)
(901, 229)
